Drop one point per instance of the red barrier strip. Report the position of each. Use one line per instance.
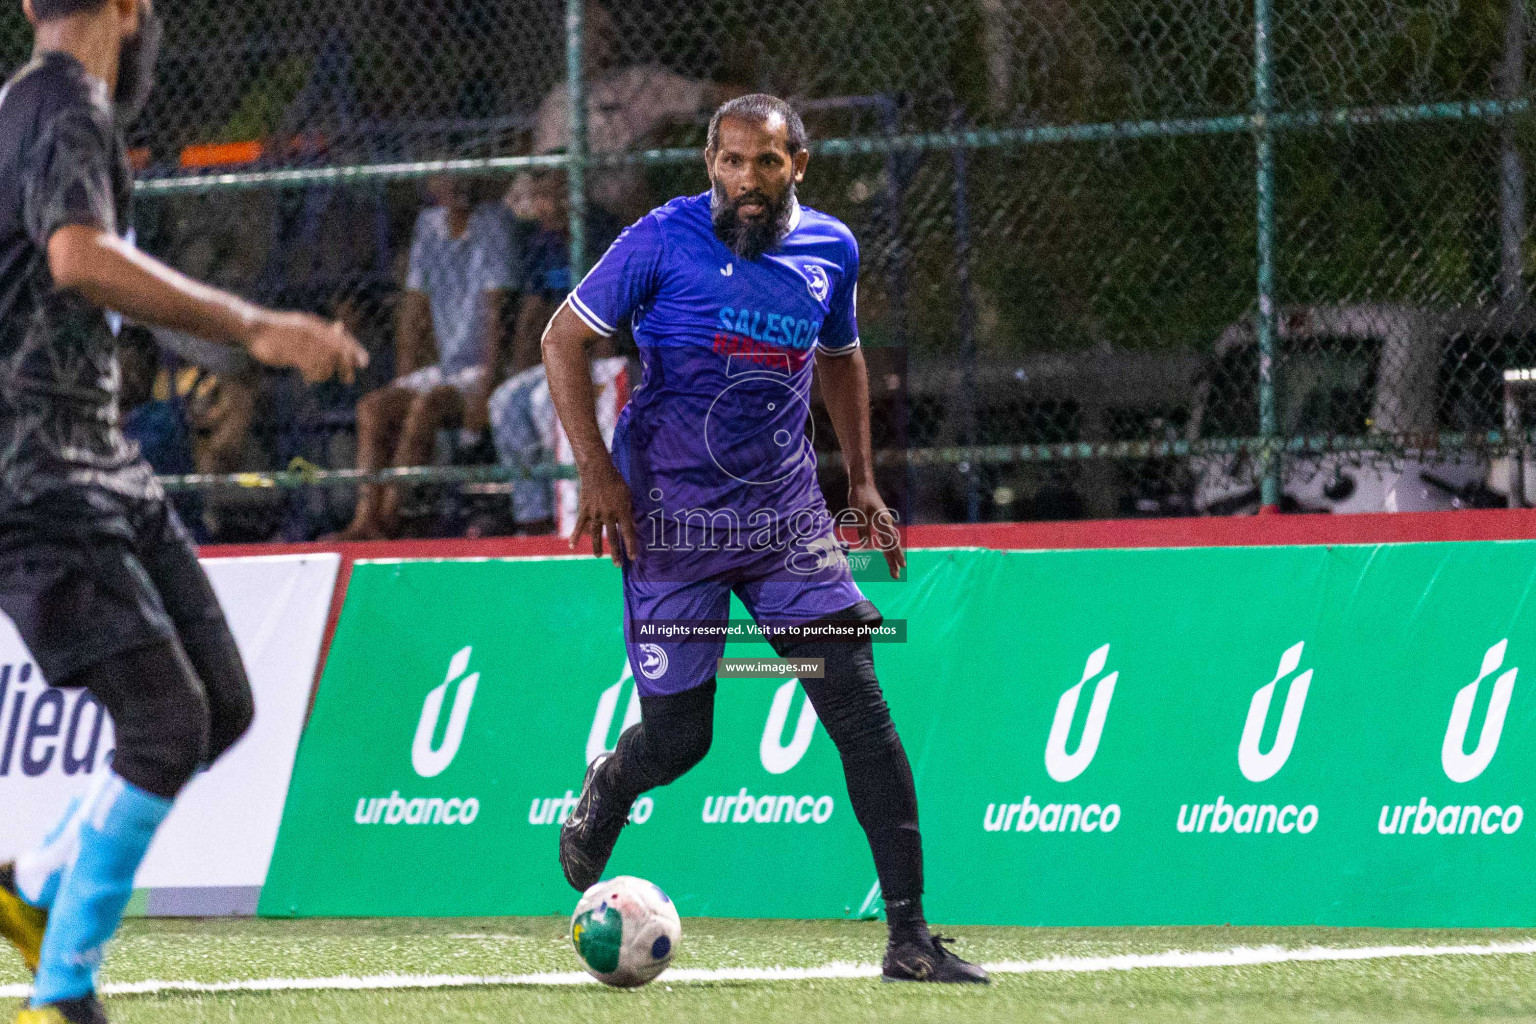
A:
(1250, 531)
(1384, 528)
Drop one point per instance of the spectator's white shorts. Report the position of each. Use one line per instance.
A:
(429, 378)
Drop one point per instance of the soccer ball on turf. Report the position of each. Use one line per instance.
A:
(626, 931)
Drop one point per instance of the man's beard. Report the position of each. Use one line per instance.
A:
(136, 67)
(750, 239)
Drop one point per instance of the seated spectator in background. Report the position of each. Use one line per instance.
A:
(190, 408)
(448, 343)
(521, 442)
(155, 424)
(543, 215)
(528, 433)
(523, 423)
(213, 388)
(627, 108)
(158, 429)
(221, 410)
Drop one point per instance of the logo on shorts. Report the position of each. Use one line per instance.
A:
(430, 761)
(816, 556)
(816, 281)
(653, 661)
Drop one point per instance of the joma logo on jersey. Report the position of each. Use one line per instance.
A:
(429, 760)
(1062, 766)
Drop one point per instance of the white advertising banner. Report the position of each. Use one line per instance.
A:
(212, 853)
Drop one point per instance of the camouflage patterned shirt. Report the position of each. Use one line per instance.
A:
(62, 162)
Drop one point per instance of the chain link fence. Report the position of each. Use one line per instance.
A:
(1120, 257)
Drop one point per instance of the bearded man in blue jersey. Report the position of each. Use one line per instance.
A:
(733, 297)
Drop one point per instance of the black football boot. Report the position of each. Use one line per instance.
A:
(588, 836)
(925, 958)
(84, 1010)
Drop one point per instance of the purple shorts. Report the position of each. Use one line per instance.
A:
(663, 667)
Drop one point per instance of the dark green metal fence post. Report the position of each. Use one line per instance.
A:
(576, 152)
(1512, 168)
(1269, 461)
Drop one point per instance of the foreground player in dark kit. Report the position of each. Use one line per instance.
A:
(733, 296)
(95, 569)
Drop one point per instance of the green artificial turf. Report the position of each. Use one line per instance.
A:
(1440, 988)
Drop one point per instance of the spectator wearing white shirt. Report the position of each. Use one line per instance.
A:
(448, 343)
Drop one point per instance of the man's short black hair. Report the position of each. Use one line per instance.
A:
(49, 10)
(762, 108)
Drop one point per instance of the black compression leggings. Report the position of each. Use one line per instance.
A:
(675, 732)
(170, 722)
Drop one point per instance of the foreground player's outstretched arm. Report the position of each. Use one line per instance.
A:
(114, 275)
(605, 505)
(845, 389)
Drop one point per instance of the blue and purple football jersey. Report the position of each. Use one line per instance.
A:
(714, 443)
(717, 431)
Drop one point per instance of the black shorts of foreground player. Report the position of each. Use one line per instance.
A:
(707, 429)
(95, 569)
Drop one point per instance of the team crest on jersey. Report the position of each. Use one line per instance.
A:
(816, 280)
(653, 661)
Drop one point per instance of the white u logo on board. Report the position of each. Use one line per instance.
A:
(607, 704)
(1459, 765)
(776, 757)
(1256, 766)
(1062, 766)
(430, 761)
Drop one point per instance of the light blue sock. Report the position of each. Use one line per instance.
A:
(40, 869)
(115, 833)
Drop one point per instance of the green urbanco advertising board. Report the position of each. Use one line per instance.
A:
(1330, 735)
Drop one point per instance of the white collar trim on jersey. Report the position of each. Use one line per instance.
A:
(794, 218)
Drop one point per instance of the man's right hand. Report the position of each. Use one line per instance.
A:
(316, 348)
(606, 507)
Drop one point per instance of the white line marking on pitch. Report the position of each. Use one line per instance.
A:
(1241, 956)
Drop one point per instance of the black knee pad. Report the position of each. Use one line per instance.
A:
(679, 728)
(849, 701)
(674, 733)
(160, 715)
(216, 661)
(227, 726)
(163, 752)
(847, 698)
